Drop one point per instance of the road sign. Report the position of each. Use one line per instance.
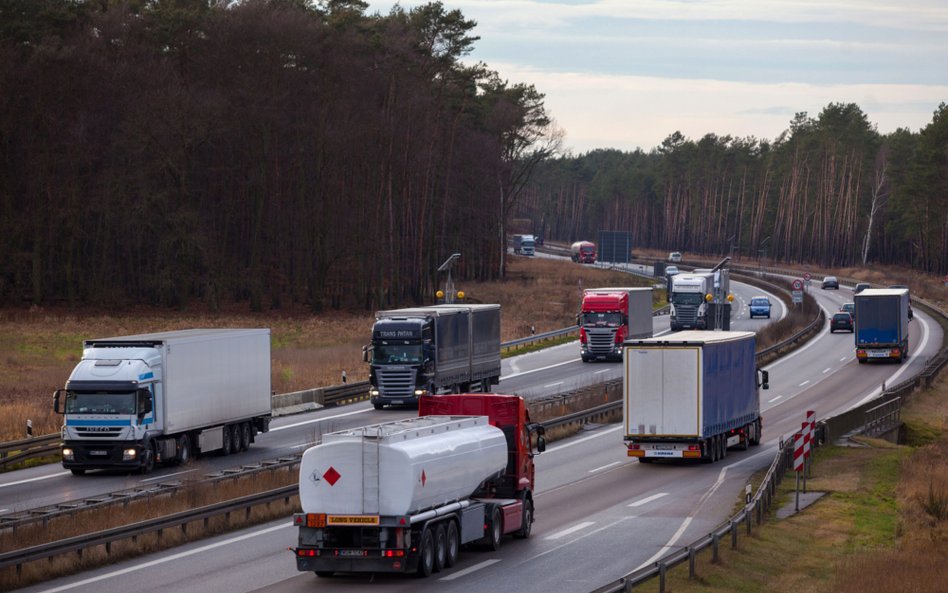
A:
(797, 297)
(806, 276)
(797, 284)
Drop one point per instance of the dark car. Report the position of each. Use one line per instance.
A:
(860, 286)
(842, 321)
(910, 313)
(849, 308)
(830, 282)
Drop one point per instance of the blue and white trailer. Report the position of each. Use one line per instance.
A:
(135, 401)
(691, 395)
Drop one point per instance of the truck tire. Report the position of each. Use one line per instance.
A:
(244, 436)
(452, 546)
(440, 548)
(378, 405)
(425, 554)
(707, 454)
(723, 438)
(235, 438)
(495, 531)
(226, 444)
(78, 471)
(526, 527)
(184, 450)
(148, 463)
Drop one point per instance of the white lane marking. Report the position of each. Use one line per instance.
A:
(553, 384)
(602, 371)
(469, 570)
(774, 399)
(905, 367)
(843, 359)
(578, 539)
(648, 499)
(827, 369)
(4, 510)
(171, 558)
(804, 383)
(28, 480)
(569, 530)
(607, 466)
(301, 446)
(584, 439)
(314, 420)
(552, 366)
(187, 471)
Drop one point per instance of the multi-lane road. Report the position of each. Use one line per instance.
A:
(599, 513)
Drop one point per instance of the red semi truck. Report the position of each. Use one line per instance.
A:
(583, 252)
(404, 496)
(609, 316)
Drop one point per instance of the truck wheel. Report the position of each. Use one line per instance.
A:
(184, 450)
(235, 438)
(527, 526)
(244, 436)
(496, 531)
(226, 445)
(757, 427)
(440, 548)
(77, 471)
(723, 446)
(706, 453)
(452, 547)
(149, 462)
(425, 555)
(378, 405)
(745, 440)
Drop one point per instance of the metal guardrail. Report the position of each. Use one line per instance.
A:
(22, 450)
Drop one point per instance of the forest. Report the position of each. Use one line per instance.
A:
(829, 190)
(306, 153)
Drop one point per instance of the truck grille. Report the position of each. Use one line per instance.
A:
(601, 341)
(99, 432)
(686, 315)
(396, 382)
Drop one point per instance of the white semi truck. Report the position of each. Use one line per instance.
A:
(404, 496)
(701, 299)
(135, 401)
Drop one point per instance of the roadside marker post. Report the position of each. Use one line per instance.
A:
(798, 463)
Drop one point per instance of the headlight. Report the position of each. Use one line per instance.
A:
(129, 454)
(419, 392)
(374, 392)
(67, 453)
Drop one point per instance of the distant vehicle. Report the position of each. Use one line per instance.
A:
(910, 312)
(524, 245)
(583, 252)
(760, 307)
(674, 256)
(849, 308)
(671, 270)
(882, 324)
(860, 286)
(842, 321)
(830, 282)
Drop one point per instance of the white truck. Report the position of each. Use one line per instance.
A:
(135, 401)
(404, 496)
(524, 244)
(700, 300)
(691, 395)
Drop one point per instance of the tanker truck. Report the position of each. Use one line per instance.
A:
(608, 317)
(135, 401)
(430, 350)
(404, 496)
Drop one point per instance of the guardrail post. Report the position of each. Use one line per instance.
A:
(749, 516)
(691, 562)
(733, 535)
(661, 577)
(714, 548)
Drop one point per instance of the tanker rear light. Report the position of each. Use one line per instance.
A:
(306, 553)
(694, 448)
(393, 553)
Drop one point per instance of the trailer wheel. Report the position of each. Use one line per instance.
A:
(235, 438)
(244, 436)
(227, 443)
(745, 440)
(425, 554)
(527, 526)
(184, 450)
(452, 546)
(495, 531)
(440, 548)
(723, 446)
(706, 452)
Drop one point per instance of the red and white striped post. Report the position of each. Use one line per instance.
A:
(805, 431)
(811, 418)
(798, 463)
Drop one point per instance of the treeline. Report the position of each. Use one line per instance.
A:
(830, 190)
(261, 151)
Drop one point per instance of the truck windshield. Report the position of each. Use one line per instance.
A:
(602, 319)
(687, 298)
(396, 354)
(100, 402)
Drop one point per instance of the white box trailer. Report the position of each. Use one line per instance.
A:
(136, 400)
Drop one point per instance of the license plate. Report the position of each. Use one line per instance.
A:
(398, 401)
(655, 453)
(98, 452)
(877, 354)
(352, 553)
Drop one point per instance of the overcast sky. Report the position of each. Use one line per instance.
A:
(627, 73)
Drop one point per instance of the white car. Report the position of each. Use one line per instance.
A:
(674, 256)
(671, 270)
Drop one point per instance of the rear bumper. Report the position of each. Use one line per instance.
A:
(337, 564)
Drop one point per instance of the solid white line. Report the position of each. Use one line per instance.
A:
(774, 399)
(804, 383)
(171, 558)
(648, 499)
(569, 530)
(167, 475)
(469, 570)
(826, 370)
(843, 359)
(26, 481)
(602, 371)
(301, 446)
(584, 439)
(554, 384)
(305, 422)
(592, 471)
(4, 510)
(552, 366)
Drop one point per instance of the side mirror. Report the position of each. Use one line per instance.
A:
(541, 443)
(765, 379)
(56, 408)
(144, 402)
(365, 354)
(578, 321)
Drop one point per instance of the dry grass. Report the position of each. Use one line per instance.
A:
(39, 347)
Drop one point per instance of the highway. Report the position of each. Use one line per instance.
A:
(599, 513)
